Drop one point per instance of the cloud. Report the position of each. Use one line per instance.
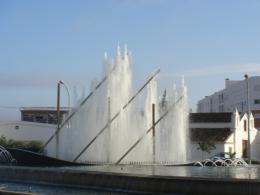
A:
(218, 70)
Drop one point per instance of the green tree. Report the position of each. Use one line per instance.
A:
(206, 146)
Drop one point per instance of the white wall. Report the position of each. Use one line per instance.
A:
(255, 147)
(234, 141)
(233, 96)
(26, 131)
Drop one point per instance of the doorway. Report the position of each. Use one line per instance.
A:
(244, 148)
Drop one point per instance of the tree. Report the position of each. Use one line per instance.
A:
(206, 146)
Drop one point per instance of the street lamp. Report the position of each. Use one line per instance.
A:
(58, 111)
(248, 121)
(67, 90)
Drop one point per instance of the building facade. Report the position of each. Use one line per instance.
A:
(27, 131)
(227, 131)
(234, 96)
(42, 114)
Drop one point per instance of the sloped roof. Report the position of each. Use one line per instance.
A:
(210, 134)
(211, 117)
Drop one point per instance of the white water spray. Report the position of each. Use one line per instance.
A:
(171, 137)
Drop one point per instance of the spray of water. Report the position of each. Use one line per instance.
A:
(171, 135)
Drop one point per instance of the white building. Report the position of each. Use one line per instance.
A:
(27, 131)
(37, 123)
(228, 131)
(234, 96)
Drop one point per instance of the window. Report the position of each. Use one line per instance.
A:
(245, 123)
(221, 98)
(244, 148)
(257, 101)
(28, 117)
(40, 119)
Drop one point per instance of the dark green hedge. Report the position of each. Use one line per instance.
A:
(34, 145)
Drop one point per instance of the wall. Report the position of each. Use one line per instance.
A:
(26, 131)
(234, 142)
(234, 97)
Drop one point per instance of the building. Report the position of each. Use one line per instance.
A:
(27, 131)
(37, 123)
(234, 96)
(227, 131)
(42, 114)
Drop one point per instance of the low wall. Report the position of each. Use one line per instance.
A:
(130, 182)
(6, 192)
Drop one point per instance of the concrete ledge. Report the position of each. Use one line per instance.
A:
(129, 182)
(7, 192)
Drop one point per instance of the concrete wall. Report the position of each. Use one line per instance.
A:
(169, 180)
(21, 130)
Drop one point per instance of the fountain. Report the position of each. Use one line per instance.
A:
(171, 135)
(122, 130)
(221, 163)
(6, 157)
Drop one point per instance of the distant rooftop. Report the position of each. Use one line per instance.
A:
(211, 117)
(43, 114)
(43, 108)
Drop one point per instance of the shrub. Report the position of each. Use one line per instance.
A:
(33, 145)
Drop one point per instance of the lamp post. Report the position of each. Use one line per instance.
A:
(67, 90)
(248, 121)
(58, 111)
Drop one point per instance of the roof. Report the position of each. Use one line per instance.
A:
(44, 109)
(211, 117)
(210, 134)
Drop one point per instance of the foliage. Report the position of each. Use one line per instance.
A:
(34, 145)
(206, 146)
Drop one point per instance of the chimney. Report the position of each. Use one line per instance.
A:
(227, 82)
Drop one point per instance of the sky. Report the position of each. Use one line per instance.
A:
(42, 42)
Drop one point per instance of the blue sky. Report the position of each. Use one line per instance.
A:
(42, 42)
